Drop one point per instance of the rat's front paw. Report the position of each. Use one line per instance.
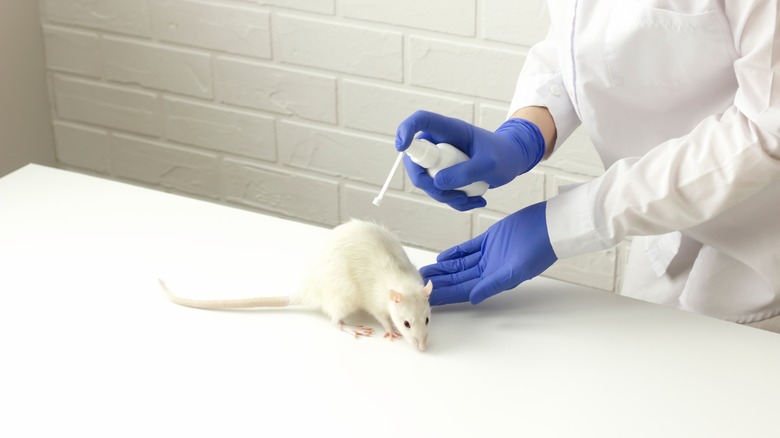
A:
(392, 335)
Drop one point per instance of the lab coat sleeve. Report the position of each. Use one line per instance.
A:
(540, 83)
(686, 181)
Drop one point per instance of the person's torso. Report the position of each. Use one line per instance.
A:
(640, 72)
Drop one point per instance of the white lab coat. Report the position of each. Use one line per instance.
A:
(681, 98)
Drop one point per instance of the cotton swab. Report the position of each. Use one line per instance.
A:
(378, 199)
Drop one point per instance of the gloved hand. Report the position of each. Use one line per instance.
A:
(514, 249)
(496, 157)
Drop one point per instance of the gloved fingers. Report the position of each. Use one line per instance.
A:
(471, 203)
(457, 293)
(426, 136)
(420, 178)
(468, 247)
(455, 287)
(443, 129)
(500, 280)
(404, 134)
(462, 174)
(456, 279)
(456, 199)
(451, 266)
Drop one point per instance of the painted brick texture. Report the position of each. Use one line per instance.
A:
(289, 107)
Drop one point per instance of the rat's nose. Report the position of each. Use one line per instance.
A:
(421, 346)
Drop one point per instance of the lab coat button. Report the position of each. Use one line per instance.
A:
(555, 90)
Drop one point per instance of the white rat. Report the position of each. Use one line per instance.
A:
(361, 266)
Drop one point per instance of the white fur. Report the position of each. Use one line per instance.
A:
(358, 266)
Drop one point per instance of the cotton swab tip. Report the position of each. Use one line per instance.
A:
(378, 199)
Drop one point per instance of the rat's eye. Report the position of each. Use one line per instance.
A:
(426, 321)
(407, 325)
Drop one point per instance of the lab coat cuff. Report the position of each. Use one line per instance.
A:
(551, 94)
(570, 223)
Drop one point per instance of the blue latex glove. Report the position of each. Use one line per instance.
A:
(514, 249)
(496, 157)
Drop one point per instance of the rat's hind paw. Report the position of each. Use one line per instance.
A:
(356, 330)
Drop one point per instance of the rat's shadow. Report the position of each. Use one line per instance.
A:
(512, 310)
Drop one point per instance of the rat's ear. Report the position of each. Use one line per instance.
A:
(428, 288)
(396, 297)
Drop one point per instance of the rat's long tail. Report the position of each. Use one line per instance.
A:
(227, 304)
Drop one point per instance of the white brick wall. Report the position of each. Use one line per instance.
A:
(165, 165)
(108, 105)
(282, 191)
(290, 106)
(73, 51)
(220, 128)
(378, 108)
(276, 89)
(457, 17)
(226, 28)
(464, 68)
(346, 48)
(126, 17)
(155, 66)
(515, 22)
(355, 157)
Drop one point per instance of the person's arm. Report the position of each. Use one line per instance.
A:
(541, 95)
(686, 181)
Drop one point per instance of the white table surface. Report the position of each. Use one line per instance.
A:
(91, 348)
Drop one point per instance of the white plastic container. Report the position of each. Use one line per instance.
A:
(435, 157)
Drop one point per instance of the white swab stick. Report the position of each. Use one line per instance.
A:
(378, 199)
